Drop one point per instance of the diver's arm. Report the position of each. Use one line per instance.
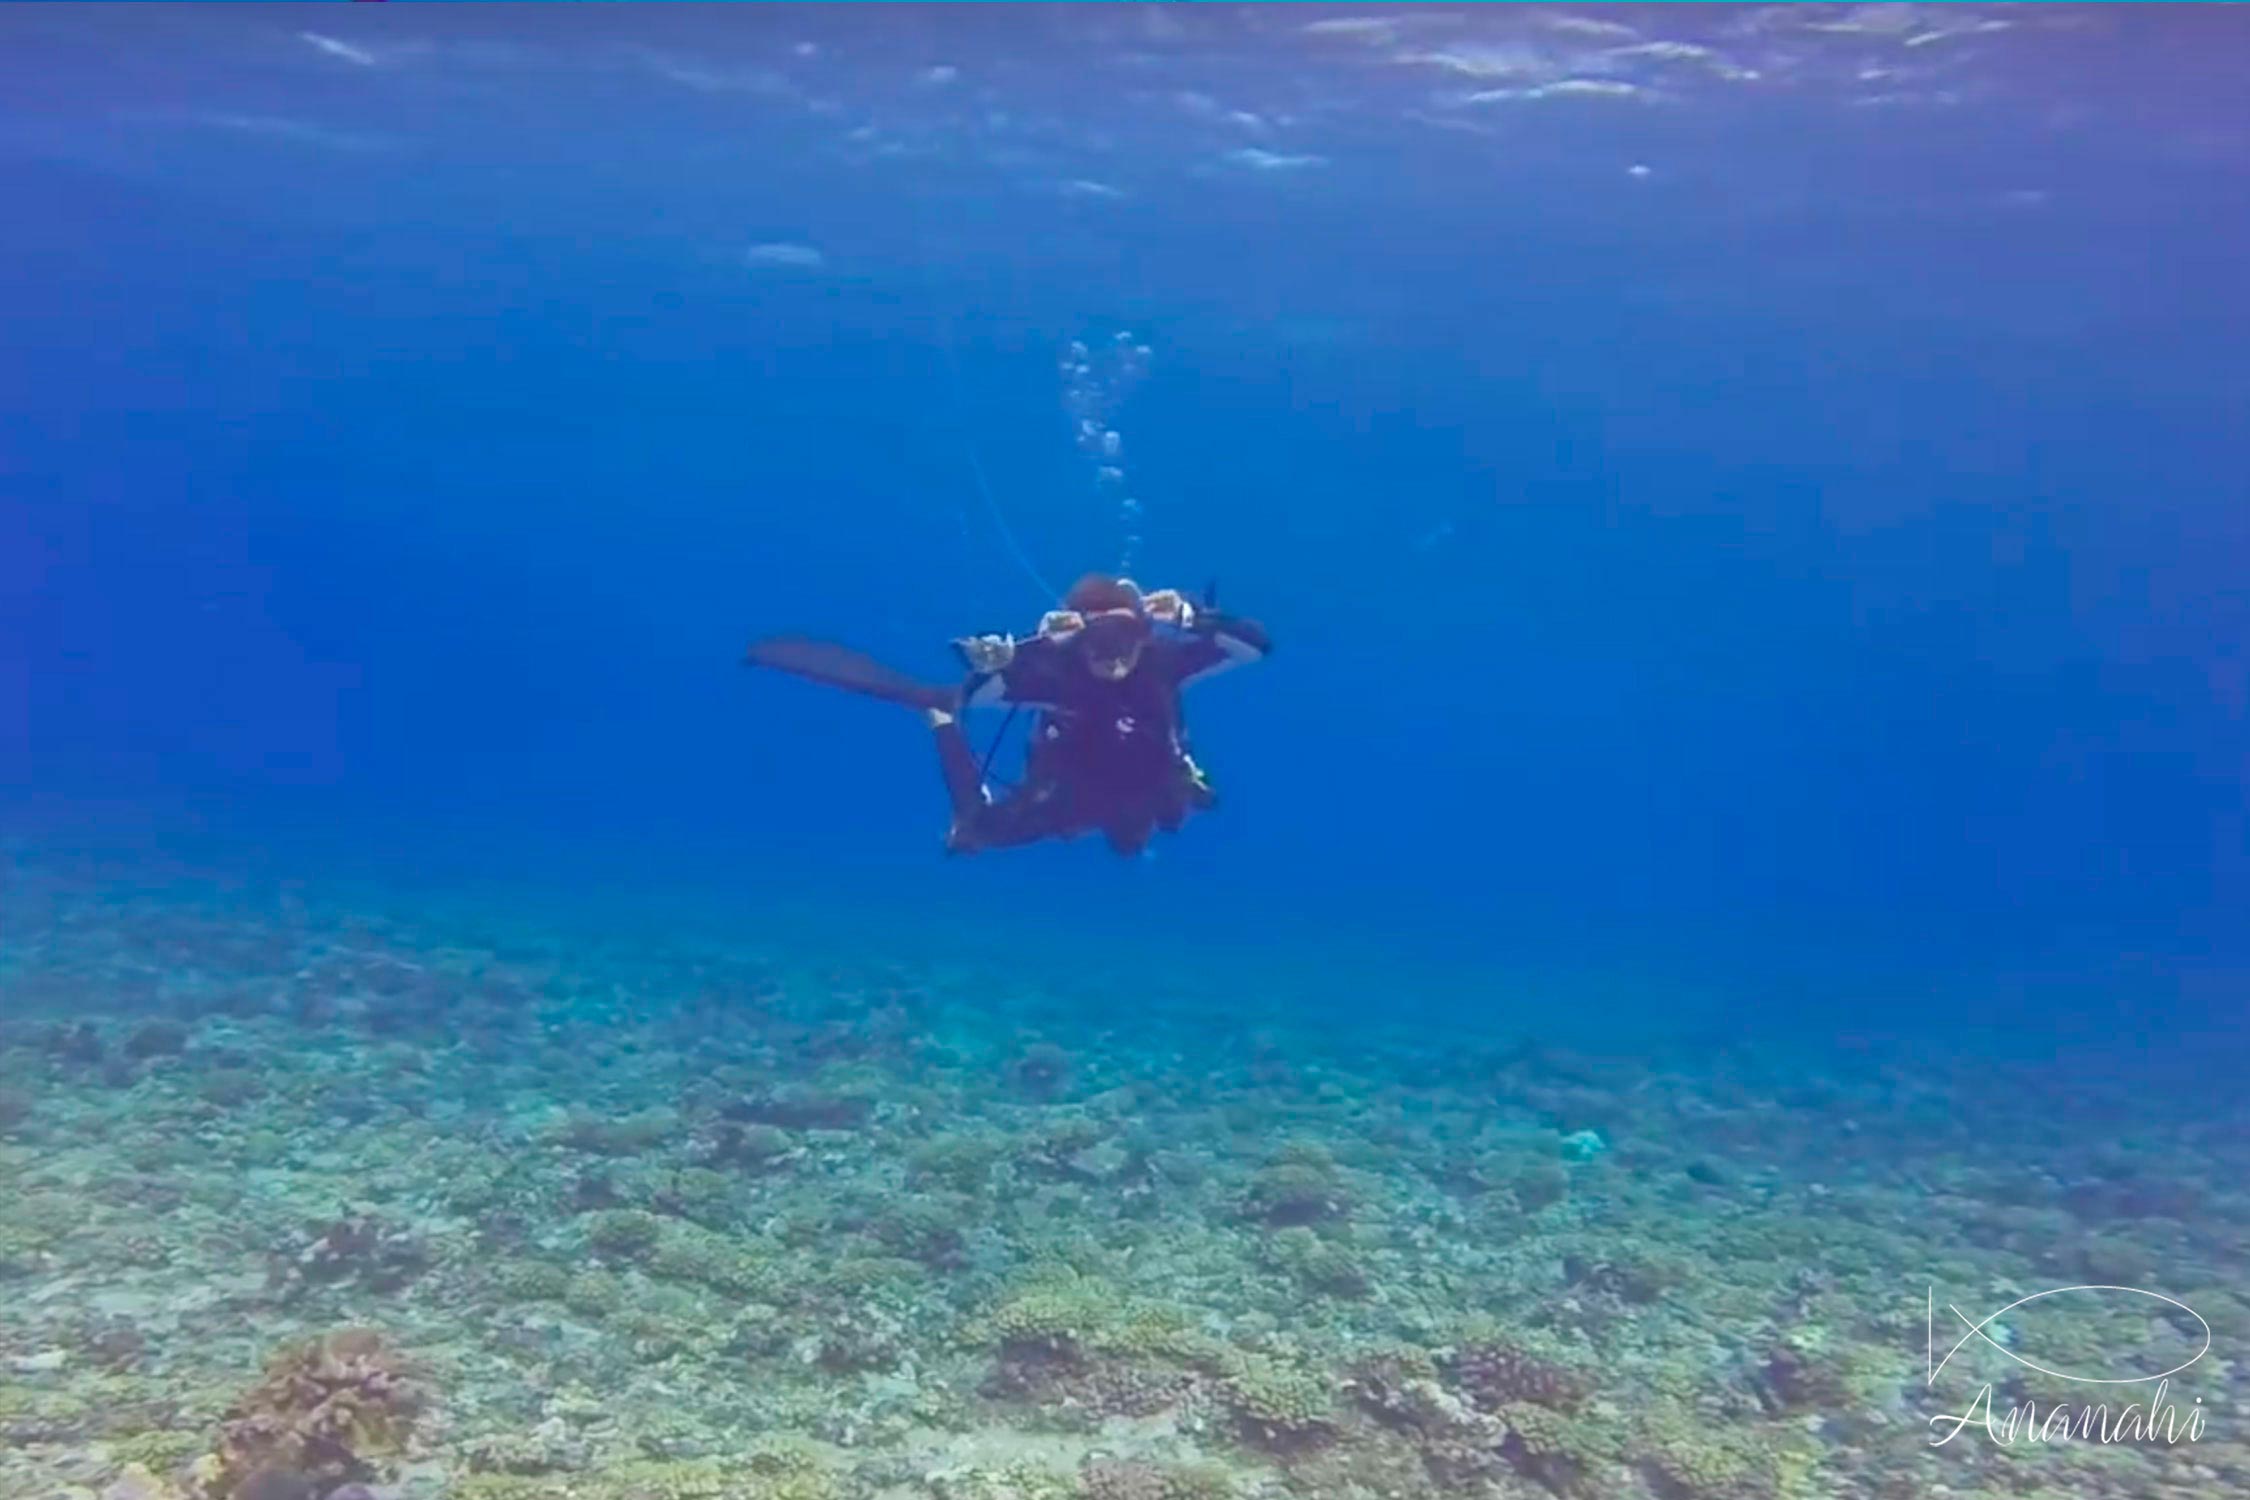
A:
(1216, 642)
(1029, 672)
(987, 658)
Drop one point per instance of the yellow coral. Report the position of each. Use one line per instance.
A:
(724, 1262)
(593, 1293)
(1320, 1265)
(1561, 1447)
(1272, 1399)
(162, 1452)
(764, 1476)
(627, 1233)
(506, 1487)
(1722, 1462)
(531, 1280)
(1056, 1315)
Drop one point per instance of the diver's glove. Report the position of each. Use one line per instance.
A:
(986, 653)
(1170, 607)
(1061, 624)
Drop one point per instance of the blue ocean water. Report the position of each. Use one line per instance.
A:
(1750, 498)
(1762, 500)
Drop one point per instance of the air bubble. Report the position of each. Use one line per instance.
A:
(1098, 375)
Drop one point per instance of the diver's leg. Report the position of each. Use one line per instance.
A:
(1128, 838)
(957, 764)
(1190, 792)
(1026, 815)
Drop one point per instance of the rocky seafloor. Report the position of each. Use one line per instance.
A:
(299, 1205)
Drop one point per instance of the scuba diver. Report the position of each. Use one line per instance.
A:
(1103, 674)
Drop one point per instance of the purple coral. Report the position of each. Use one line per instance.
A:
(1122, 1479)
(325, 1411)
(1044, 1375)
(378, 1256)
(1496, 1373)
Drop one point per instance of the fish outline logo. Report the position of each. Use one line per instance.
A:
(1976, 1330)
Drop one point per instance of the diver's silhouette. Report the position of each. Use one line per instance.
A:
(1102, 674)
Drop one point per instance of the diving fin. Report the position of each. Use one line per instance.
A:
(840, 666)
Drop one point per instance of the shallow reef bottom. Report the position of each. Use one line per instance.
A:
(297, 1206)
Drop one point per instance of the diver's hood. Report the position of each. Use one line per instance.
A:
(1099, 593)
(1113, 634)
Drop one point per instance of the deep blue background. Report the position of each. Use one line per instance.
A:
(1810, 574)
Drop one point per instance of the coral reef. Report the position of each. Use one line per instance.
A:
(161, 1037)
(750, 1218)
(1318, 1265)
(1299, 1185)
(329, 1411)
(802, 1109)
(381, 1257)
(1496, 1373)
(617, 1135)
(1040, 1070)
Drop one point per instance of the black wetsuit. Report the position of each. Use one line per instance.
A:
(1107, 756)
